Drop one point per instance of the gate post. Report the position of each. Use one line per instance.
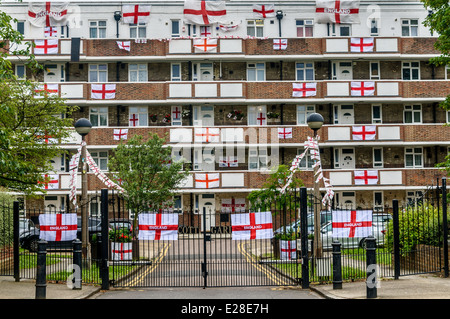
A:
(104, 267)
(371, 263)
(304, 237)
(337, 269)
(445, 225)
(41, 271)
(16, 243)
(396, 238)
(77, 261)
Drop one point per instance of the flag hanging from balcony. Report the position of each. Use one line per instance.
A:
(264, 11)
(233, 205)
(361, 45)
(362, 88)
(121, 251)
(366, 177)
(207, 180)
(50, 182)
(103, 91)
(279, 44)
(364, 132)
(47, 89)
(120, 134)
(135, 14)
(284, 133)
(58, 227)
(288, 249)
(206, 134)
(205, 44)
(45, 14)
(204, 12)
(124, 45)
(351, 223)
(50, 32)
(158, 226)
(228, 161)
(45, 138)
(46, 46)
(304, 89)
(337, 11)
(251, 226)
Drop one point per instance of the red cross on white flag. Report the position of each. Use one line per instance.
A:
(284, 132)
(304, 89)
(206, 134)
(121, 251)
(288, 249)
(251, 226)
(352, 224)
(58, 227)
(120, 134)
(361, 45)
(363, 88)
(50, 181)
(124, 45)
(261, 118)
(47, 89)
(228, 27)
(228, 161)
(337, 11)
(158, 226)
(205, 31)
(205, 44)
(208, 180)
(103, 91)
(204, 12)
(366, 177)
(232, 205)
(46, 46)
(364, 133)
(264, 10)
(134, 14)
(50, 32)
(176, 113)
(48, 13)
(279, 44)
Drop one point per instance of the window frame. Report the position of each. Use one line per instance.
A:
(409, 108)
(408, 65)
(374, 119)
(137, 28)
(306, 24)
(257, 74)
(98, 72)
(257, 25)
(409, 26)
(142, 113)
(172, 77)
(305, 70)
(98, 158)
(137, 72)
(308, 109)
(375, 163)
(257, 156)
(414, 152)
(99, 115)
(372, 76)
(175, 30)
(252, 114)
(97, 28)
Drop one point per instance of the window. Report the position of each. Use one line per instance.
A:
(413, 157)
(21, 27)
(307, 162)
(98, 73)
(304, 71)
(138, 116)
(255, 28)
(175, 72)
(256, 71)
(20, 71)
(138, 30)
(410, 27)
(95, 207)
(137, 73)
(257, 160)
(302, 113)
(98, 116)
(177, 204)
(373, 27)
(377, 114)
(257, 115)
(101, 159)
(448, 117)
(341, 30)
(176, 115)
(374, 70)
(175, 28)
(447, 72)
(414, 197)
(304, 28)
(412, 113)
(97, 29)
(377, 157)
(378, 200)
(411, 70)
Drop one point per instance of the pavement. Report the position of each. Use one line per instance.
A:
(425, 286)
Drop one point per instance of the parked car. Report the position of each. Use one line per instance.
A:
(325, 216)
(29, 239)
(117, 223)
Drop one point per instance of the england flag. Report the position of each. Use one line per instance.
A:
(158, 226)
(57, 227)
(251, 226)
(352, 223)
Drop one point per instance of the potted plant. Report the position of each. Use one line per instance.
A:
(121, 244)
(273, 115)
(185, 114)
(236, 115)
(167, 118)
(153, 117)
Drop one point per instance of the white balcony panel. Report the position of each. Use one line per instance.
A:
(231, 90)
(72, 91)
(339, 133)
(65, 181)
(66, 46)
(180, 90)
(206, 90)
(180, 46)
(337, 45)
(387, 88)
(232, 179)
(388, 132)
(74, 138)
(188, 182)
(386, 45)
(391, 178)
(180, 135)
(230, 46)
(338, 89)
(232, 135)
(340, 178)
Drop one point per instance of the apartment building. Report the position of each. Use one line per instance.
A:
(233, 96)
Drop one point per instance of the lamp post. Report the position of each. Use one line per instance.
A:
(83, 127)
(279, 17)
(315, 122)
(117, 17)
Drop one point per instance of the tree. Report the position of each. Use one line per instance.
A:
(27, 119)
(147, 172)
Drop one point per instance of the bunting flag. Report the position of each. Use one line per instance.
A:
(46, 46)
(228, 27)
(120, 134)
(366, 177)
(58, 227)
(337, 11)
(134, 14)
(233, 205)
(251, 226)
(264, 11)
(124, 45)
(206, 134)
(352, 224)
(288, 249)
(279, 44)
(158, 226)
(46, 14)
(100, 175)
(363, 88)
(121, 251)
(284, 133)
(204, 12)
(364, 133)
(73, 168)
(208, 180)
(205, 44)
(50, 32)
(50, 181)
(361, 45)
(228, 161)
(47, 89)
(304, 89)
(103, 91)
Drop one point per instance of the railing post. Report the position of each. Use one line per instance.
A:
(337, 269)
(16, 243)
(304, 237)
(371, 263)
(77, 262)
(104, 267)
(41, 271)
(396, 238)
(445, 225)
